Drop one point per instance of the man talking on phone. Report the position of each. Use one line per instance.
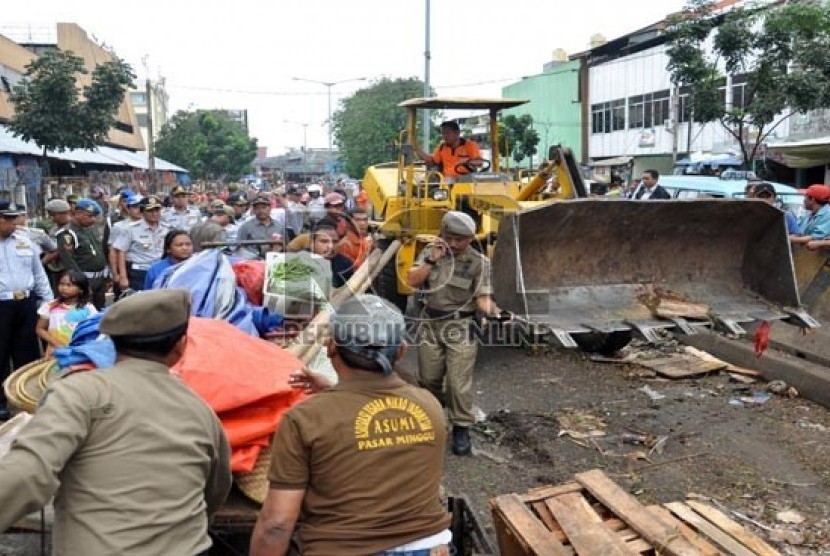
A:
(454, 280)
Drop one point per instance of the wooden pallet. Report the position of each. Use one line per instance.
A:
(592, 515)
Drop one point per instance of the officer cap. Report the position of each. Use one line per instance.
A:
(179, 190)
(292, 190)
(216, 203)
(262, 200)
(369, 327)
(8, 210)
(149, 313)
(459, 223)
(126, 193)
(223, 209)
(150, 203)
(88, 205)
(233, 187)
(238, 199)
(57, 206)
(133, 200)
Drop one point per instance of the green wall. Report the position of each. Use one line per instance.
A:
(554, 105)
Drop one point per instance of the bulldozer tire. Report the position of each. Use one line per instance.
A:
(386, 283)
(603, 343)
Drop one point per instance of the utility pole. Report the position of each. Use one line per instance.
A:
(427, 56)
(674, 114)
(329, 85)
(151, 151)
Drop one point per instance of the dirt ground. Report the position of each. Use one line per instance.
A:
(756, 459)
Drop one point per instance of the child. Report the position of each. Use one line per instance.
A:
(59, 318)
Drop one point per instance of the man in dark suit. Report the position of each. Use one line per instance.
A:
(650, 189)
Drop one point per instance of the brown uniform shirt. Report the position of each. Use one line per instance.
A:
(370, 454)
(137, 463)
(455, 282)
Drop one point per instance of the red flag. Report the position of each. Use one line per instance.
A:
(762, 338)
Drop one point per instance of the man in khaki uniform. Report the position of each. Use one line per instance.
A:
(363, 460)
(137, 463)
(454, 280)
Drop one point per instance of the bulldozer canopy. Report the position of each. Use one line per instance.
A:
(461, 103)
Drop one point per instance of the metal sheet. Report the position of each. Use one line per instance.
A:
(590, 264)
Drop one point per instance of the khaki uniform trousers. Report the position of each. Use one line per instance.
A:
(446, 350)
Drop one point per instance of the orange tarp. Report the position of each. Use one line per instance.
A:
(245, 381)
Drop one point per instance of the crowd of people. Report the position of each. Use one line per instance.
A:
(59, 270)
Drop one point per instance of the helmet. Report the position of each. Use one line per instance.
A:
(314, 188)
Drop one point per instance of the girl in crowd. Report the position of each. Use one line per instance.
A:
(59, 318)
(177, 248)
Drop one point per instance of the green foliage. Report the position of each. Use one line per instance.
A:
(783, 50)
(367, 125)
(51, 111)
(209, 144)
(517, 138)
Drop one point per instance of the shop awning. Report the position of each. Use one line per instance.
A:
(616, 161)
(804, 154)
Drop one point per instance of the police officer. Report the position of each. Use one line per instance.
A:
(454, 280)
(142, 244)
(239, 202)
(60, 214)
(180, 216)
(131, 215)
(22, 280)
(136, 461)
(80, 248)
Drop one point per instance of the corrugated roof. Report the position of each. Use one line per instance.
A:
(102, 155)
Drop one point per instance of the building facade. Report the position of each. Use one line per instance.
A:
(555, 105)
(159, 102)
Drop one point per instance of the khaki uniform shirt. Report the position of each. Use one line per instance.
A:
(455, 282)
(369, 454)
(181, 220)
(141, 244)
(136, 461)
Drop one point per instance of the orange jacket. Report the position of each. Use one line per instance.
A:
(354, 247)
(448, 158)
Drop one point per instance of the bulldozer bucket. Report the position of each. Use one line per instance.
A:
(593, 266)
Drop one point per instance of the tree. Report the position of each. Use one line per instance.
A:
(50, 110)
(780, 52)
(518, 138)
(208, 143)
(368, 123)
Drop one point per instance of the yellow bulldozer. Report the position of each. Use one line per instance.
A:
(588, 272)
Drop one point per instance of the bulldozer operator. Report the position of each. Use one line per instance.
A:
(455, 156)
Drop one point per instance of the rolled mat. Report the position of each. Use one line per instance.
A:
(254, 485)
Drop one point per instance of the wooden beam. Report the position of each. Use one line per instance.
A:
(736, 530)
(584, 527)
(663, 536)
(717, 536)
(524, 525)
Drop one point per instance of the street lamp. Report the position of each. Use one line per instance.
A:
(305, 146)
(329, 85)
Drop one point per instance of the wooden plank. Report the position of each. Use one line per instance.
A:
(680, 365)
(684, 309)
(706, 356)
(524, 525)
(704, 546)
(540, 493)
(584, 527)
(626, 507)
(737, 531)
(640, 546)
(700, 524)
(544, 514)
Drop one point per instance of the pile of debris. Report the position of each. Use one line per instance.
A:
(592, 515)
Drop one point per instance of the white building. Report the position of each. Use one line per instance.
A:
(159, 104)
(634, 111)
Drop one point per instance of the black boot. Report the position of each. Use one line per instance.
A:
(461, 444)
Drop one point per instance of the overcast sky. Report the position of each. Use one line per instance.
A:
(245, 53)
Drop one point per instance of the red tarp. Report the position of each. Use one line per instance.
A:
(245, 381)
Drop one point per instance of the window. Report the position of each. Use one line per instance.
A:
(138, 99)
(141, 119)
(608, 116)
(740, 98)
(121, 126)
(686, 103)
(648, 110)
